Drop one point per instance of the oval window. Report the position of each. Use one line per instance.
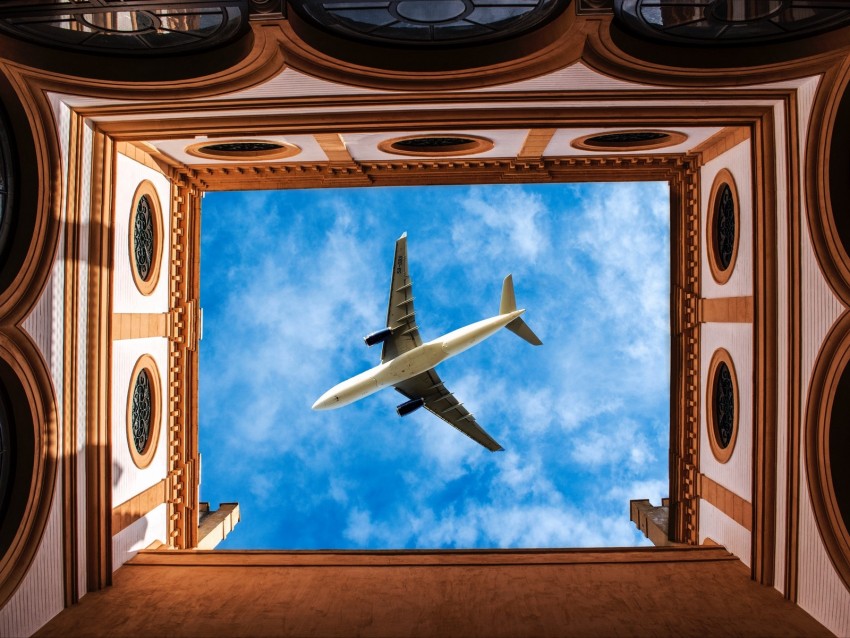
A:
(145, 238)
(143, 414)
(722, 227)
(722, 405)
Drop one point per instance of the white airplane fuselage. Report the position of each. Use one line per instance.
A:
(413, 362)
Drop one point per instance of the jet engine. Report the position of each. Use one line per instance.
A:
(378, 337)
(410, 406)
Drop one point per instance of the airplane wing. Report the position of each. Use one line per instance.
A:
(442, 403)
(400, 315)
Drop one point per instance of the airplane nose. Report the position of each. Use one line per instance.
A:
(326, 402)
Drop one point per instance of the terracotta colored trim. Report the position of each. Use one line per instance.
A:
(536, 142)
(722, 454)
(725, 139)
(738, 509)
(794, 348)
(133, 509)
(438, 171)
(147, 364)
(685, 399)
(725, 310)
(334, 147)
(182, 406)
(98, 366)
(139, 154)
(429, 558)
(73, 266)
(765, 391)
(133, 325)
(485, 112)
(721, 275)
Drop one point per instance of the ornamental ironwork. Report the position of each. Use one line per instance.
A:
(626, 138)
(240, 147)
(432, 143)
(141, 412)
(127, 26)
(724, 227)
(724, 405)
(143, 237)
(429, 22)
(731, 21)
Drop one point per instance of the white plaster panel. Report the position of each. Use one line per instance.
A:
(126, 296)
(736, 474)
(820, 590)
(292, 83)
(737, 161)
(576, 77)
(176, 149)
(364, 146)
(139, 535)
(560, 145)
(715, 525)
(41, 594)
(128, 480)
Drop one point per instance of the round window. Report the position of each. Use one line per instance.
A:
(436, 145)
(145, 238)
(143, 414)
(244, 150)
(722, 405)
(621, 141)
(722, 227)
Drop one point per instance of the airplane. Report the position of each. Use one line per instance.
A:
(408, 365)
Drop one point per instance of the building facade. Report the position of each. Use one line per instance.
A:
(118, 116)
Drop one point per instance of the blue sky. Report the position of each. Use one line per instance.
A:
(292, 280)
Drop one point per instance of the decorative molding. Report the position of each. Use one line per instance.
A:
(183, 331)
(685, 355)
(98, 367)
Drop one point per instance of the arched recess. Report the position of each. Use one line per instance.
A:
(827, 436)
(31, 208)
(160, 42)
(712, 43)
(827, 186)
(29, 407)
(337, 55)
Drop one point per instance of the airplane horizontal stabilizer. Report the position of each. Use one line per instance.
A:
(520, 328)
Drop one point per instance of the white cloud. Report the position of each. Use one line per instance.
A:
(580, 417)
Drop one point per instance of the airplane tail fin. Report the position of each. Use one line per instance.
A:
(508, 304)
